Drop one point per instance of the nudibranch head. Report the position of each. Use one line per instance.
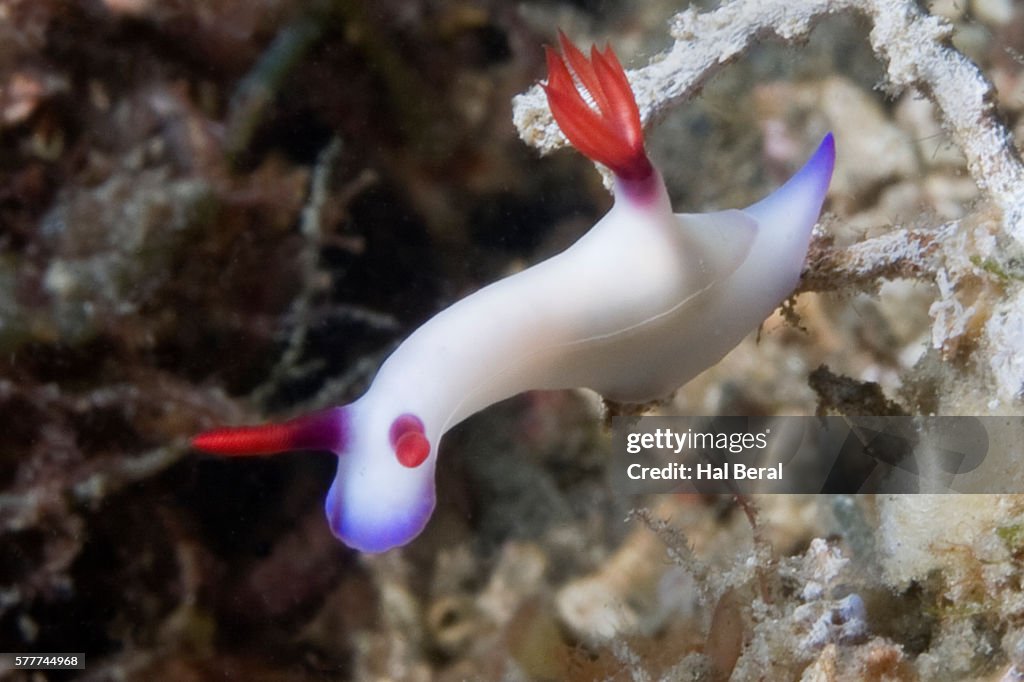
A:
(606, 130)
(383, 493)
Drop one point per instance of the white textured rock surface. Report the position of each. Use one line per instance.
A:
(950, 533)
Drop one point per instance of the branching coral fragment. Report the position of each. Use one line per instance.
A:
(902, 253)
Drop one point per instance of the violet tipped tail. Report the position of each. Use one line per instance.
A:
(325, 430)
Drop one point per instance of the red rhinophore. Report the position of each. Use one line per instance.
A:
(412, 449)
(323, 430)
(608, 132)
(407, 438)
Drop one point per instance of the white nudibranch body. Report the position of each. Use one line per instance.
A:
(641, 304)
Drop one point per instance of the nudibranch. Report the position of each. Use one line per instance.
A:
(641, 304)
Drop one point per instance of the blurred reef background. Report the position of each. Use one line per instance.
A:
(227, 211)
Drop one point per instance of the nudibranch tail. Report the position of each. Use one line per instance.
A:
(324, 430)
(788, 215)
(817, 171)
(608, 132)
